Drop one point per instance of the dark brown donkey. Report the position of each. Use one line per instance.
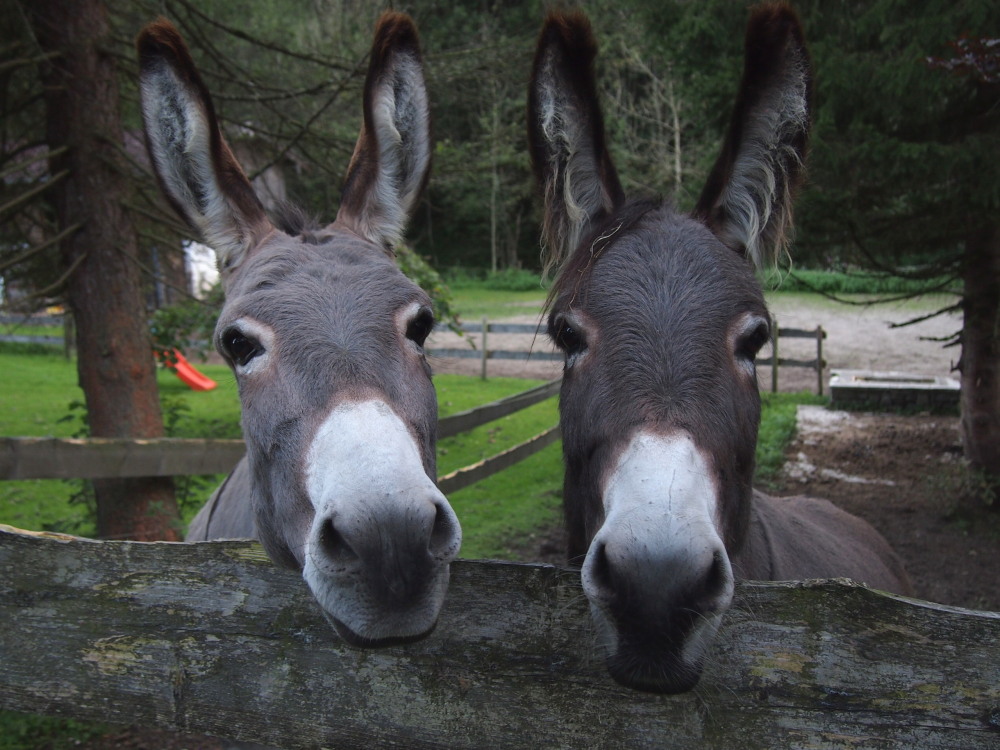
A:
(325, 337)
(660, 318)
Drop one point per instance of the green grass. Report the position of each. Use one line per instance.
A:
(858, 282)
(42, 399)
(509, 506)
(27, 732)
(474, 302)
(510, 279)
(777, 429)
(29, 328)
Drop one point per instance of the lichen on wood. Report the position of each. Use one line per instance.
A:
(212, 638)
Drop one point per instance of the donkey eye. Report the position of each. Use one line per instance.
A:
(568, 338)
(420, 326)
(239, 348)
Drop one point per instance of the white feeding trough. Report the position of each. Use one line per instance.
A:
(892, 390)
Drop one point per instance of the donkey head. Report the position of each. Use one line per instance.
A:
(660, 318)
(325, 337)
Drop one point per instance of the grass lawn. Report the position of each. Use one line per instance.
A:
(777, 428)
(513, 503)
(473, 302)
(40, 391)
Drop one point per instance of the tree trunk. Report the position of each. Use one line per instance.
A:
(114, 357)
(980, 361)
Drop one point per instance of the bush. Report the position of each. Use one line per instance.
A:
(854, 282)
(505, 280)
(427, 278)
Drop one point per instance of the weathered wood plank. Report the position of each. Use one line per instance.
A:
(536, 330)
(25, 339)
(812, 364)
(69, 458)
(495, 354)
(801, 333)
(93, 458)
(476, 472)
(467, 420)
(212, 638)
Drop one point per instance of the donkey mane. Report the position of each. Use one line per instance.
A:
(295, 221)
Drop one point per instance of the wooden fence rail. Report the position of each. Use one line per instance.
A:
(95, 458)
(213, 638)
(480, 415)
(484, 353)
(775, 362)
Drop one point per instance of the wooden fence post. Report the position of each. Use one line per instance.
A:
(819, 360)
(486, 326)
(774, 355)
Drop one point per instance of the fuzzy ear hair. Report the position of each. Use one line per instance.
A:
(572, 165)
(747, 200)
(392, 157)
(194, 165)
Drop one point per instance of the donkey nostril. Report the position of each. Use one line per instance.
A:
(716, 581)
(445, 537)
(598, 573)
(333, 544)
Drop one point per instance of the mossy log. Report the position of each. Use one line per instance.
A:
(213, 638)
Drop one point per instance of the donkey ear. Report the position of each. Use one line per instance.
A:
(747, 200)
(193, 163)
(577, 178)
(392, 157)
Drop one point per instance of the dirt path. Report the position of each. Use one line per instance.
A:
(861, 338)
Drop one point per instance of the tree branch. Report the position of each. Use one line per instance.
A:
(39, 248)
(37, 190)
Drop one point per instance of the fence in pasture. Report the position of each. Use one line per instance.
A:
(537, 333)
(13, 323)
(484, 354)
(775, 362)
(93, 458)
(213, 638)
